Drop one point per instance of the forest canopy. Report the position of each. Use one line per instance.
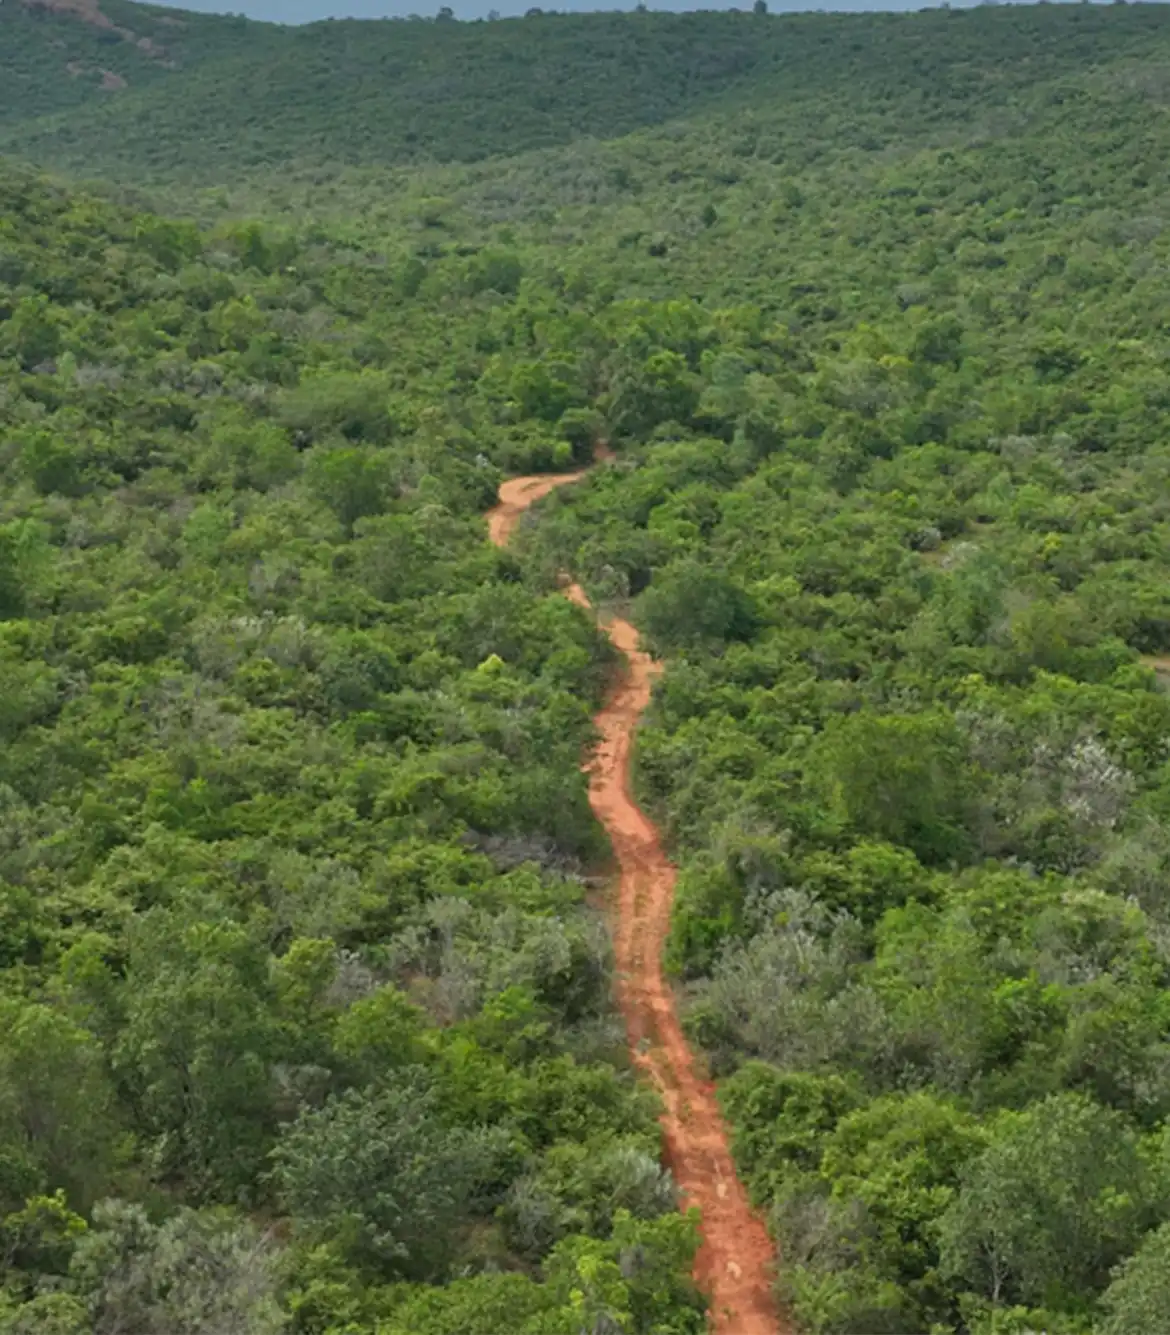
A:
(306, 1016)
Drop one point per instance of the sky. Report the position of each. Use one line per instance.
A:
(307, 11)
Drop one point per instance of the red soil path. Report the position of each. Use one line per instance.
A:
(734, 1264)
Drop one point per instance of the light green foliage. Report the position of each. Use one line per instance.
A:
(782, 1118)
(630, 1285)
(379, 1034)
(901, 1158)
(197, 1272)
(46, 1314)
(636, 1282)
(578, 1188)
(39, 1238)
(858, 1191)
(510, 1304)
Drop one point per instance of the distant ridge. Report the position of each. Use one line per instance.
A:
(174, 96)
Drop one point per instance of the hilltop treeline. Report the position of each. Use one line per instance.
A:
(200, 98)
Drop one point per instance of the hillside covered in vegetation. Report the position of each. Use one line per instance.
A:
(306, 990)
(149, 94)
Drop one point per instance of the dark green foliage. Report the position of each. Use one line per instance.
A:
(898, 778)
(379, 1177)
(690, 604)
(1058, 1196)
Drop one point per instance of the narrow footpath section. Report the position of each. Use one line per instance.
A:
(734, 1265)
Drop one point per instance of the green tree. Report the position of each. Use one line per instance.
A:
(902, 1156)
(508, 1304)
(1137, 1302)
(899, 777)
(378, 1173)
(690, 605)
(350, 479)
(33, 331)
(195, 1054)
(1059, 1196)
(379, 1035)
(57, 1115)
(23, 557)
(354, 404)
(196, 1272)
(44, 1314)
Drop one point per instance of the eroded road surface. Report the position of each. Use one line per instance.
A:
(734, 1265)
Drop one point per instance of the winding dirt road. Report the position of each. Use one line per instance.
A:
(734, 1265)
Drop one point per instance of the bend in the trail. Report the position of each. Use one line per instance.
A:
(516, 495)
(734, 1264)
